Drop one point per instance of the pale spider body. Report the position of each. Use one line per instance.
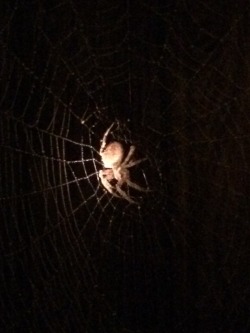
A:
(116, 172)
(112, 155)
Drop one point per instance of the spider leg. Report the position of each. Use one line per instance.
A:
(105, 138)
(136, 187)
(124, 195)
(132, 163)
(130, 153)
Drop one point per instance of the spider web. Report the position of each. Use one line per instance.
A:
(174, 77)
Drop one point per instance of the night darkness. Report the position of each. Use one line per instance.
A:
(174, 77)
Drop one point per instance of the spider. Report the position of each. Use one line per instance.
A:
(116, 168)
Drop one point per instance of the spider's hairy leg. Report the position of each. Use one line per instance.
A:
(137, 187)
(130, 154)
(105, 138)
(124, 195)
(132, 163)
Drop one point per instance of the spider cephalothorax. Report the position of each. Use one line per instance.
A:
(115, 172)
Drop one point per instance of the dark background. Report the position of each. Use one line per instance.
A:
(175, 77)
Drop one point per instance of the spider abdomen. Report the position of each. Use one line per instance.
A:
(112, 155)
